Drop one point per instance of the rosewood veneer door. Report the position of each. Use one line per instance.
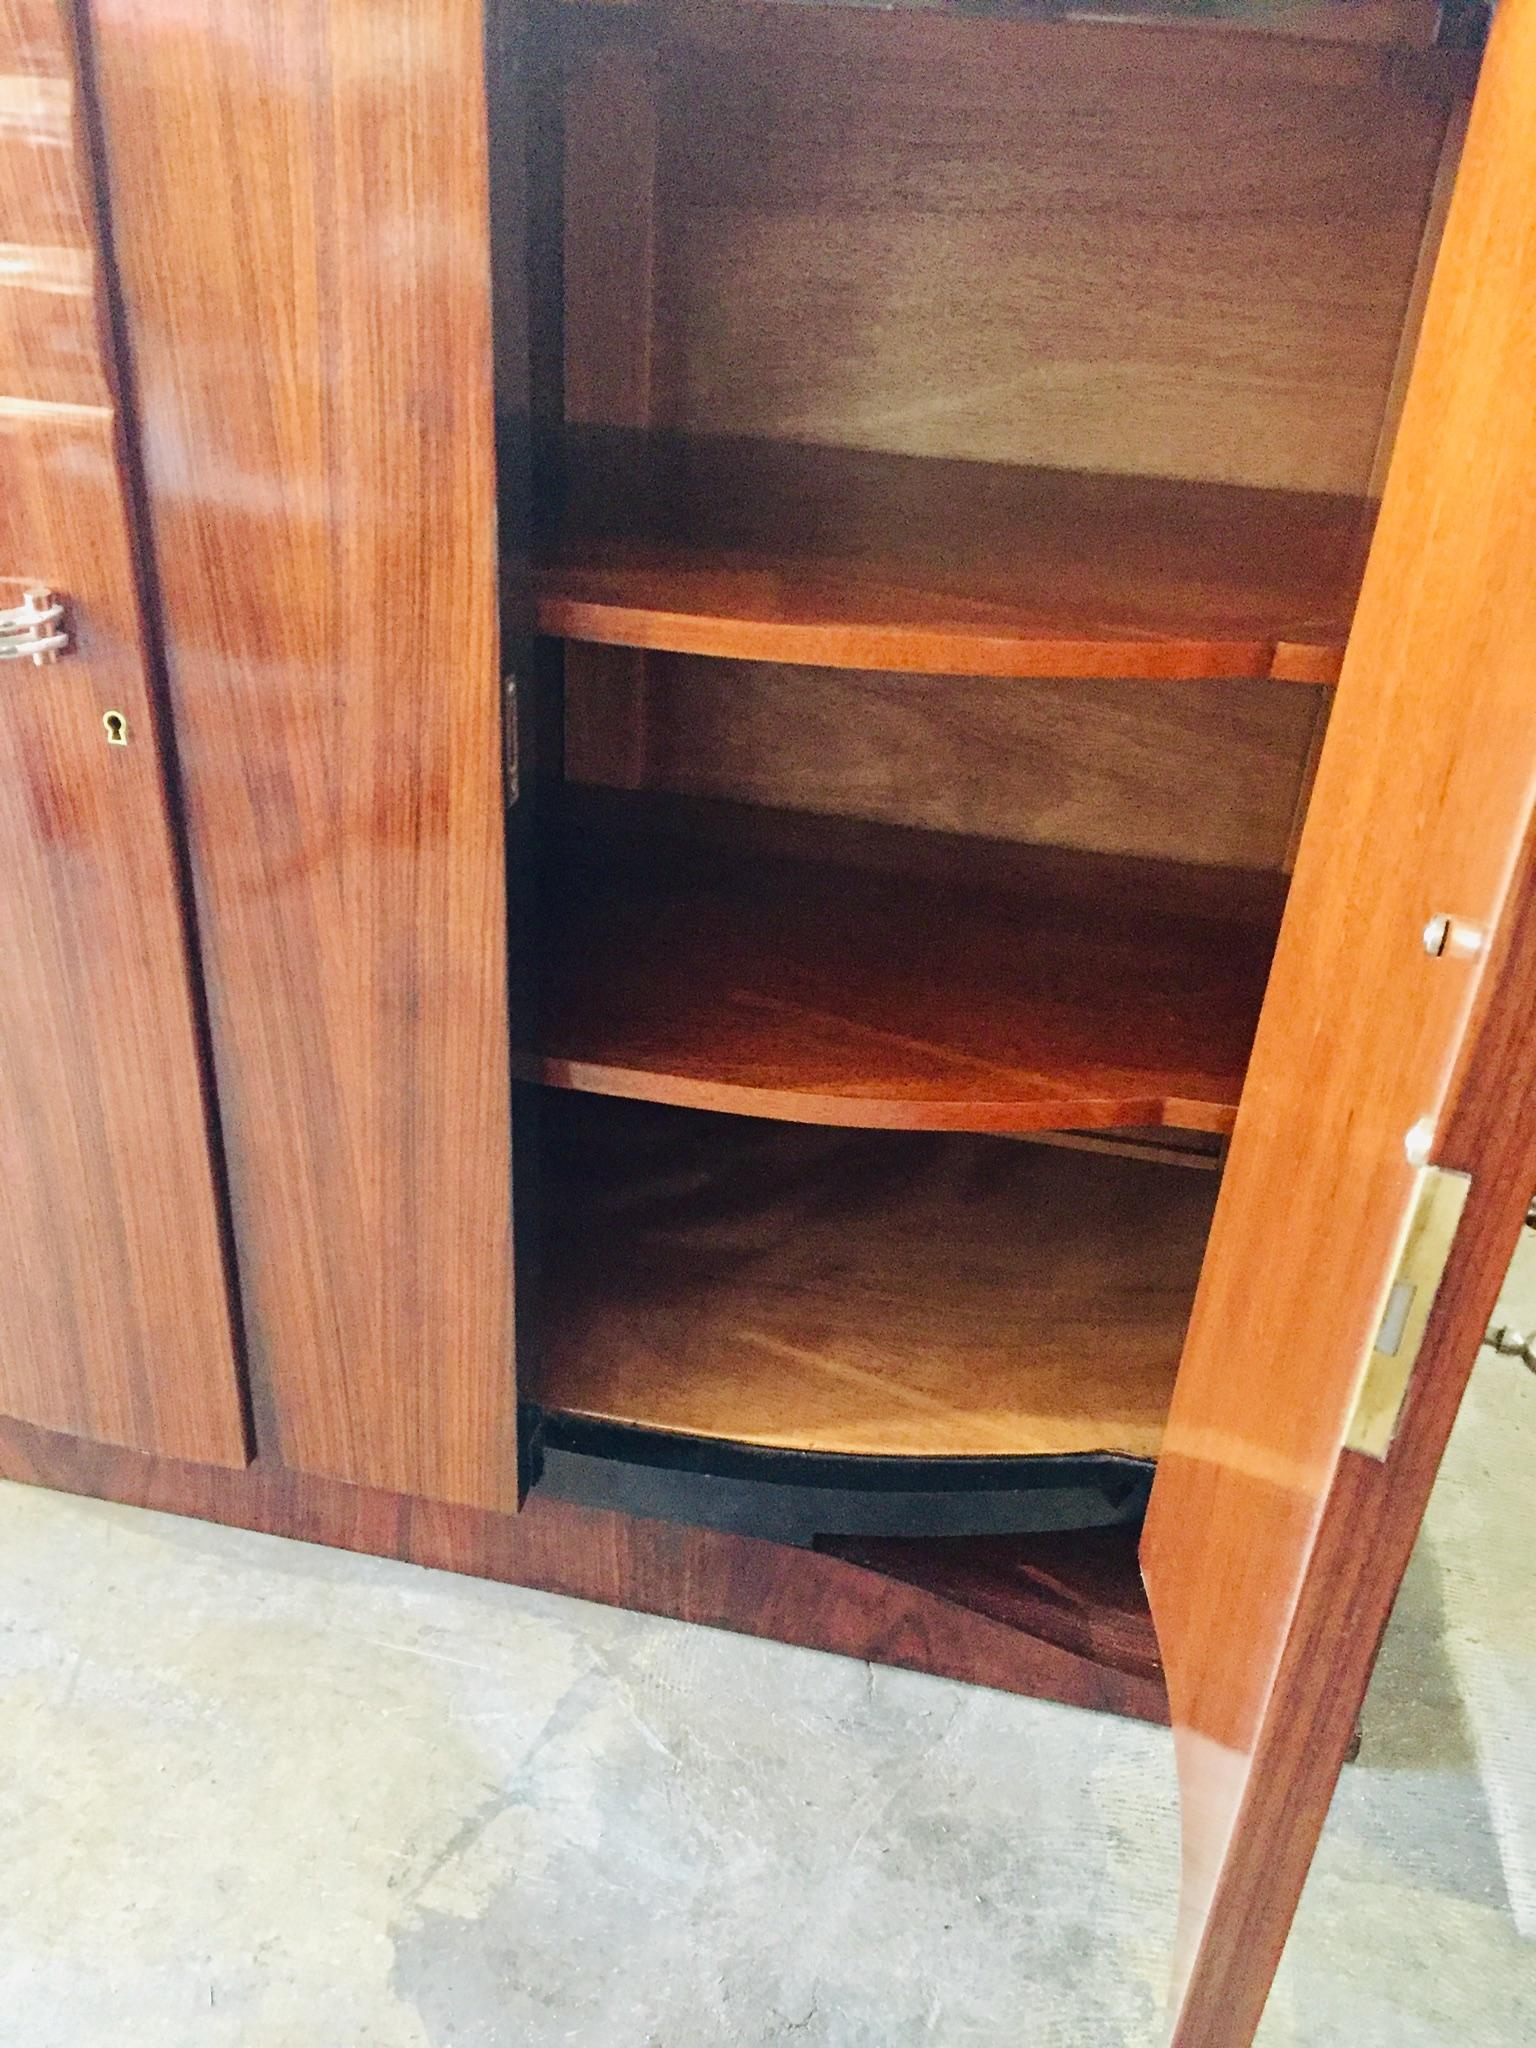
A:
(300, 214)
(1273, 1548)
(114, 1312)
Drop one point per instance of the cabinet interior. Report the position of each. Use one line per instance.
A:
(960, 438)
(912, 1294)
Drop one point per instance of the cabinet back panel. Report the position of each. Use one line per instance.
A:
(1138, 250)
(1210, 772)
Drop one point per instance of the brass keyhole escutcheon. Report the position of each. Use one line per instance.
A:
(117, 728)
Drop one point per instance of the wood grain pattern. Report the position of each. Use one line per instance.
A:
(114, 1316)
(698, 1575)
(1066, 244)
(114, 1312)
(35, 37)
(1371, 1518)
(607, 288)
(51, 339)
(1081, 1591)
(310, 322)
(1207, 772)
(1452, 144)
(609, 192)
(995, 992)
(1423, 797)
(869, 1294)
(773, 551)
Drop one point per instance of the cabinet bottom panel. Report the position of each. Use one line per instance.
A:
(860, 1294)
(1059, 1618)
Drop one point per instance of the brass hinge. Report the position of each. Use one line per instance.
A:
(1433, 1219)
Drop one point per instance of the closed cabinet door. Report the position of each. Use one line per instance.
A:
(1385, 1150)
(114, 1311)
(301, 222)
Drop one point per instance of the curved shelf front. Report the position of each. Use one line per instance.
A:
(845, 558)
(1009, 991)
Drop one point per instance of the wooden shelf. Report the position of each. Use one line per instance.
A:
(772, 551)
(907, 980)
(862, 1293)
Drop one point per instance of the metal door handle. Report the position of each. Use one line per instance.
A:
(33, 630)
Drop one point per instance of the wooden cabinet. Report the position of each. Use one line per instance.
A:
(860, 676)
(308, 320)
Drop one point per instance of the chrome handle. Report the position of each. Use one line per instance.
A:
(24, 629)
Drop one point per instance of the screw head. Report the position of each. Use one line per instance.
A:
(1453, 938)
(1419, 1142)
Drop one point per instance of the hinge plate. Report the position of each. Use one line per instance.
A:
(1433, 1219)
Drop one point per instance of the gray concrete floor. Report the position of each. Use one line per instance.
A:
(262, 1795)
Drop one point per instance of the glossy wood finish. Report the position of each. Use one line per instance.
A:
(911, 981)
(114, 1315)
(114, 1318)
(1371, 1518)
(301, 216)
(1081, 1591)
(698, 1575)
(903, 1296)
(51, 343)
(1423, 799)
(773, 551)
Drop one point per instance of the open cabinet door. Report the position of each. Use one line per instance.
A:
(300, 208)
(1388, 1125)
(114, 1309)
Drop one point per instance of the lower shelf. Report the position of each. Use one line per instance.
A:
(860, 1294)
(910, 981)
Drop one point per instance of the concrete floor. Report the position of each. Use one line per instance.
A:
(262, 1795)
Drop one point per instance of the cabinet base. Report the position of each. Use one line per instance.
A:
(1055, 1617)
(803, 1497)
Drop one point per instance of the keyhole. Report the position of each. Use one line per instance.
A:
(117, 729)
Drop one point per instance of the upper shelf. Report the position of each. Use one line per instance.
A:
(843, 558)
(1397, 24)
